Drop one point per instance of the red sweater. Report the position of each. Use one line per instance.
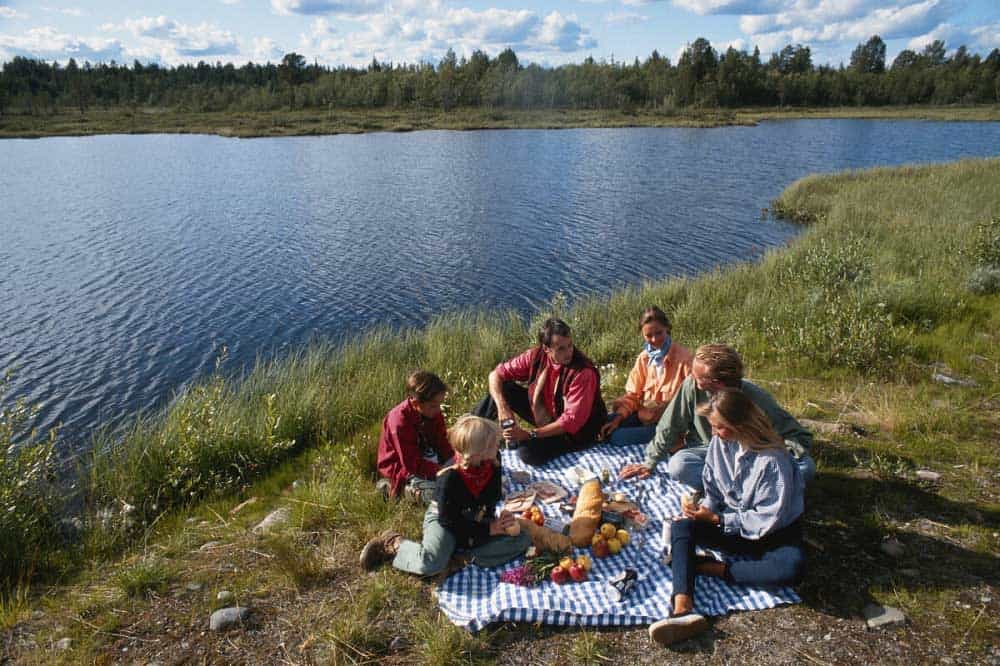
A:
(405, 435)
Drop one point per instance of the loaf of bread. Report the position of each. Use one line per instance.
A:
(543, 538)
(587, 515)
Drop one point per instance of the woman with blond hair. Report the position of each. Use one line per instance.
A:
(463, 515)
(754, 499)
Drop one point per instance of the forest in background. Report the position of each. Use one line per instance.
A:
(703, 77)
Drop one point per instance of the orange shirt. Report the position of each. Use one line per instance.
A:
(647, 384)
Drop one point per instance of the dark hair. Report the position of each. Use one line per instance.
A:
(723, 363)
(551, 328)
(422, 386)
(653, 313)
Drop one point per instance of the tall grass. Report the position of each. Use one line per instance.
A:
(29, 505)
(882, 265)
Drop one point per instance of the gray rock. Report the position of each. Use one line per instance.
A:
(226, 618)
(273, 520)
(880, 617)
(63, 644)
(928, 475)
(225, 596)
(948, 380)
(892, 548)
(193, 587)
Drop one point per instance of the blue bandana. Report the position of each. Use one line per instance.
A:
(658, 354)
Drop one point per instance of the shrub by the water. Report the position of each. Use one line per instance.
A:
(29, 504)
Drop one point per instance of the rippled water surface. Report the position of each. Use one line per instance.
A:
(126, 261)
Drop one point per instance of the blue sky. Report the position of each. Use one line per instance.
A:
(351, 32)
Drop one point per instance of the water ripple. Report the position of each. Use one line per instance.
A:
(129, 261)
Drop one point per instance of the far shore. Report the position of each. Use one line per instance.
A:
(147, 120)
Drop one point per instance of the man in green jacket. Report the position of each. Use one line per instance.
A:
(685, 434)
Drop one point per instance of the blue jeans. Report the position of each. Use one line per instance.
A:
(686, 465)
(631, 431)
(777, 557)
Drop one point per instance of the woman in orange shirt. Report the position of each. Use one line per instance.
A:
(657, 375)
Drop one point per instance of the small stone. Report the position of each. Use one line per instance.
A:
(296, 484)
(948, 380)
(226, 618)
(827, 637)
(225, 596)
(892, 548)
(191, 521)
(928, 475)
(878, 617)
(63, 644)
(986, 599)
(35, 615)
(273, 520)
(193, 587)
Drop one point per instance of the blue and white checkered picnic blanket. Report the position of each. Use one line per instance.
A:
(475, 597)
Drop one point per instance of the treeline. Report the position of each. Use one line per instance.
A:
(702, 77)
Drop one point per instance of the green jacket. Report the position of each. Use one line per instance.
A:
(681, 417)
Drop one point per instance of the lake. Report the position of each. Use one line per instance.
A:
(127, 262)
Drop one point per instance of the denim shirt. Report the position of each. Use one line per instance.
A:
(754, 493)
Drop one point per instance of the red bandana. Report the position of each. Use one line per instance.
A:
(476, 478)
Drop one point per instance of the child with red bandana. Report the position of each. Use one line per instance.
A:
(463, 515)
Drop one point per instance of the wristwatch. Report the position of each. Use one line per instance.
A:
(532, 435)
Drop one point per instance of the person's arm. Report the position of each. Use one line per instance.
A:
(403, 438)
(635, 386)
(713, 500)
(516, 369)
(798, 440)
(441, 443)
(676, 420)
(578, 400)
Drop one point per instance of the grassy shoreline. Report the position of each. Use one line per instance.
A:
(846, 326)
(352, 121)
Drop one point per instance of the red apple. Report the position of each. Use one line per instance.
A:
(559, 576)
(601, 549)
(578, 573)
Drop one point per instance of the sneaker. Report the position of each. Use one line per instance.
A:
(385, 488)
(380, 549)
(677, 628)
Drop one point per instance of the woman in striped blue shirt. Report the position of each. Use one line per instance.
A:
(754, 498)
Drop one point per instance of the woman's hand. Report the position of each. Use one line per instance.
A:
(499, 526)
(699, 512)
(611, 426)
(516, 433)
(650, 415)
(637, 470)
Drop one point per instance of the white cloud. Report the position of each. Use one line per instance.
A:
(265, 50)
(48, 43)
(982, 39)
(411, 31)
(625, 18)
(179, 41)
(230, 2)
(316, 7)
(72, 11)
(11, 13)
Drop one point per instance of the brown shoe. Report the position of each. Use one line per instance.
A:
(677, 628)
(380, 549)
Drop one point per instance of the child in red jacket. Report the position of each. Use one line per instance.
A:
(414, 442)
